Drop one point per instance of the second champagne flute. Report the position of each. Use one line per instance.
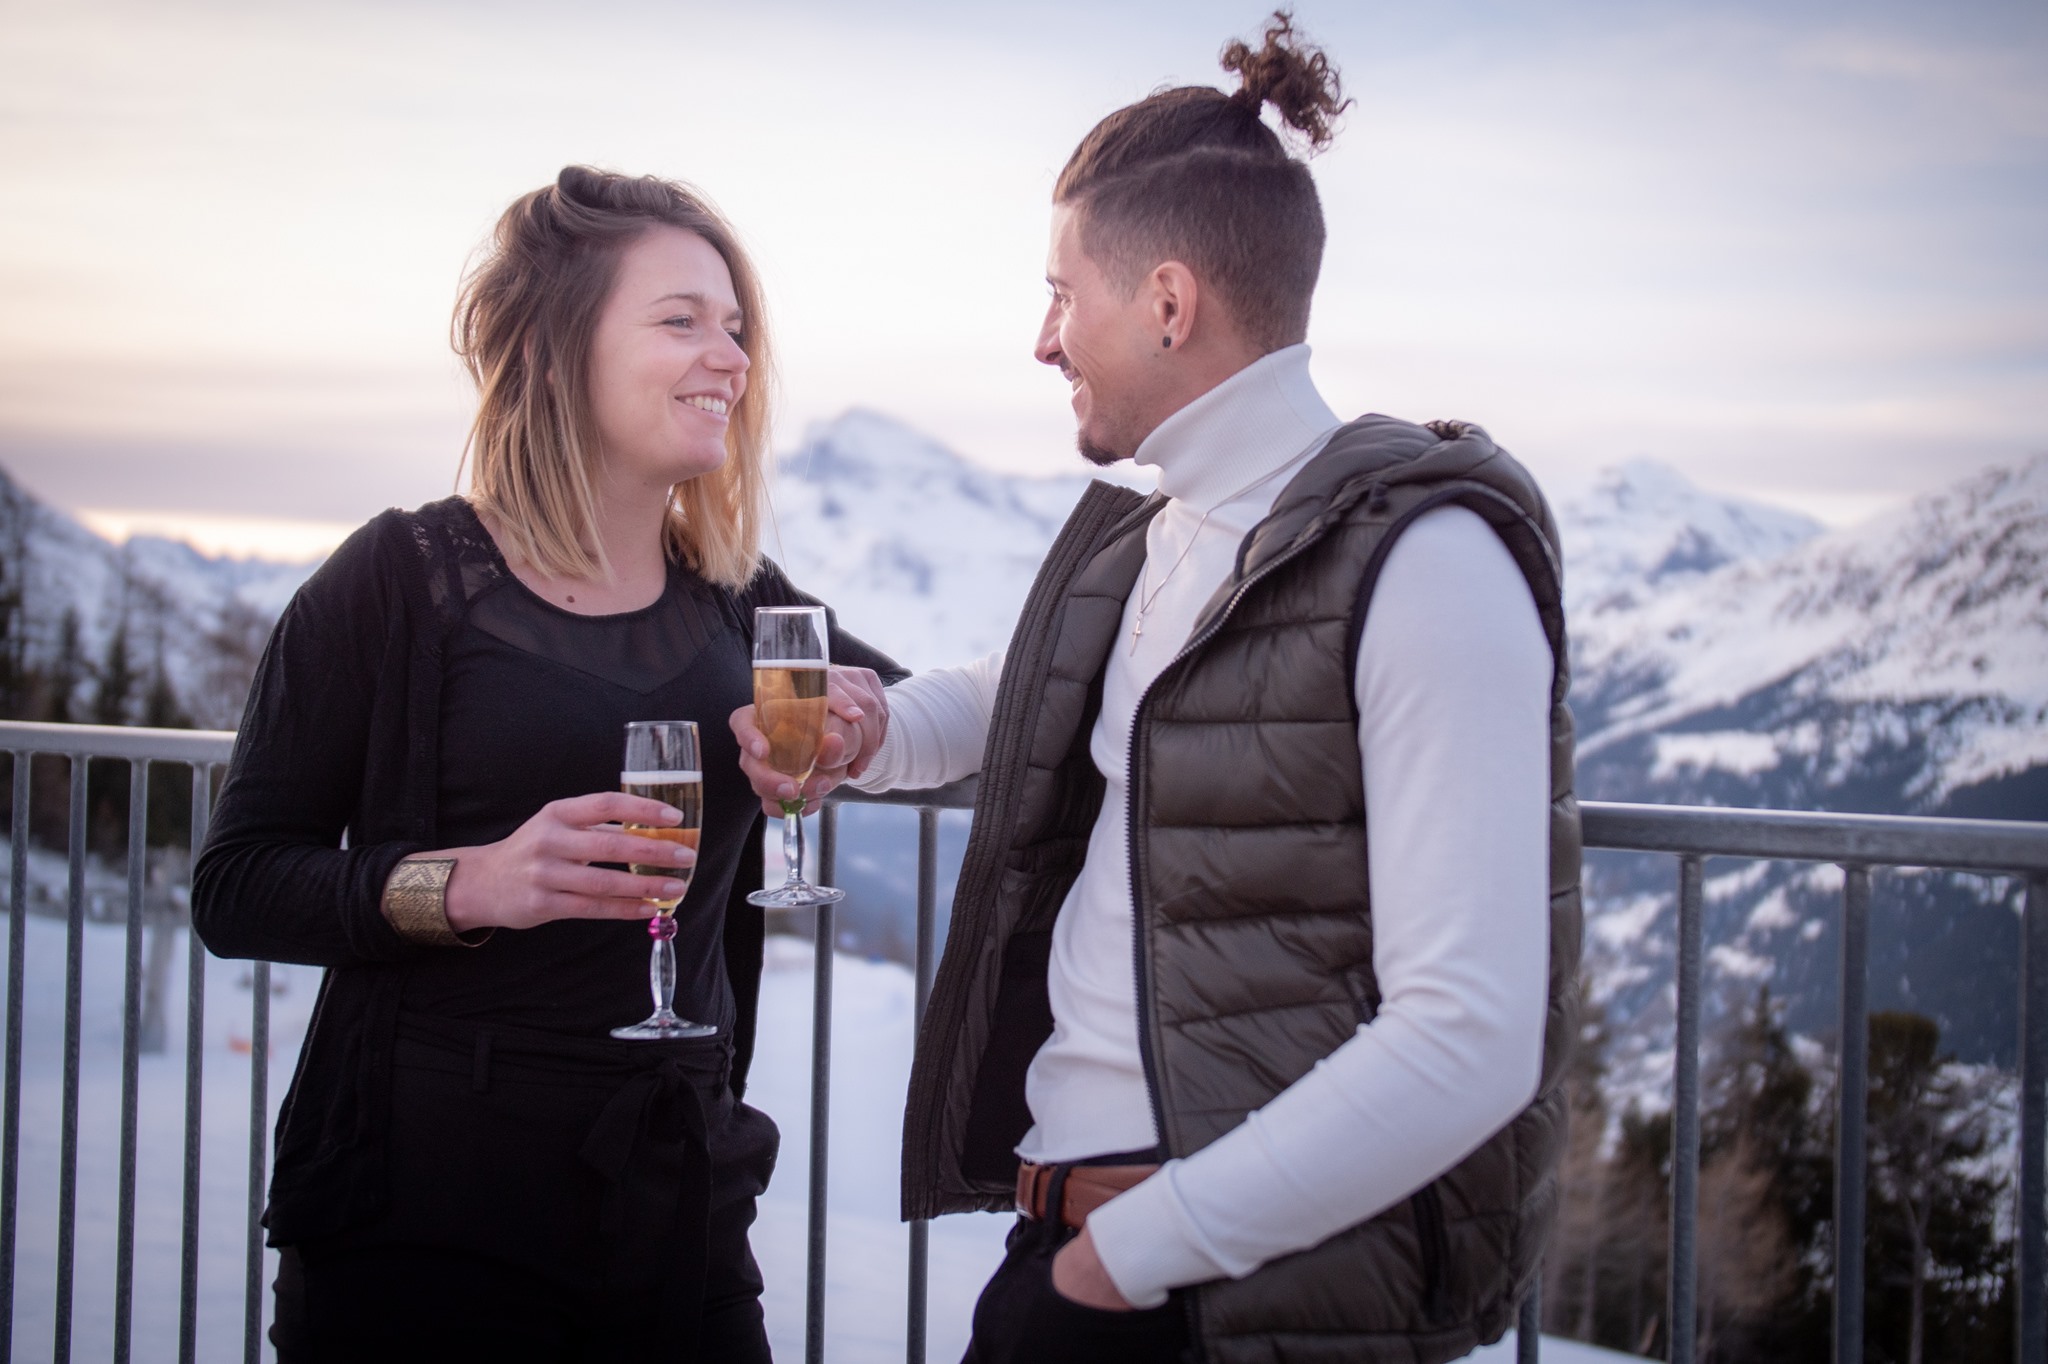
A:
(790, 662)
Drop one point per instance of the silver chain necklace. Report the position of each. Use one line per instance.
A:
(1146, 599)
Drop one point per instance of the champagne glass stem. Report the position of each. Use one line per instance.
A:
(661, 976)
(793, 840)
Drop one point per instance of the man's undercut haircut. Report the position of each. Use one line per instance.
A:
(1194, 175)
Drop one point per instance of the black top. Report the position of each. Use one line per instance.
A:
(534, 704)
(336, 776)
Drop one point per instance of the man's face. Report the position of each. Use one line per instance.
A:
(1107, 345)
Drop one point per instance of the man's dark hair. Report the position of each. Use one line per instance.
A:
(1194, 175)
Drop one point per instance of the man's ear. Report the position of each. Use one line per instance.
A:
(1174, 300)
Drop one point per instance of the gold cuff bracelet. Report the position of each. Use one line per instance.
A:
(416, 903)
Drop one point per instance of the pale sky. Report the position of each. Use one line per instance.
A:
(1796, 250)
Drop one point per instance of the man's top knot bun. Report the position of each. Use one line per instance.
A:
(581, 185)
(1292, 76)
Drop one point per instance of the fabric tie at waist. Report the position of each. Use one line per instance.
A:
(650, 1143)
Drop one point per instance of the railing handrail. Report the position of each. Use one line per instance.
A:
(1989, 845)
(117, 741)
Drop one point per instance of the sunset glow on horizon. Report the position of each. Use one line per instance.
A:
(1797, 256)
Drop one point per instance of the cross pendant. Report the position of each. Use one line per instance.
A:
(1137, 628)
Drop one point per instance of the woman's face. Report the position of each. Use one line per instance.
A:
(666, 368)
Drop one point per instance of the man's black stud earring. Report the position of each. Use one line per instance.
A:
(1166, 341)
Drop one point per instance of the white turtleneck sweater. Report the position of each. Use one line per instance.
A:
(1452, 682)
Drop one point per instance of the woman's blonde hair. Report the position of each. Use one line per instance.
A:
(524, 323)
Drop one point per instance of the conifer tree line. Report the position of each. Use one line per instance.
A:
(49, 672)
(1940, 1213)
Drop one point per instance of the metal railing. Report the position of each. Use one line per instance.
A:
(1856, 843)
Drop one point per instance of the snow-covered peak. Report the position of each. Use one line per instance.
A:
(1643, 528)
(863, 448)
(922, 553)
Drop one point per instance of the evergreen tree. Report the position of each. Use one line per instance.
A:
(1764, 1141)
(233, 647)
(1572, 1262)
(1635, 1291)
(16, 681)
(67, 670)
(1934, 1262)
(117, 681)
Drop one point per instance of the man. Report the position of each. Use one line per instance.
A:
(1256, 995)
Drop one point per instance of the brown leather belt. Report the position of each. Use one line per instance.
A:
(1087, 1188)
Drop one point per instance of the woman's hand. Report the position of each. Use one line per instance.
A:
(543, 873)
(856, 721)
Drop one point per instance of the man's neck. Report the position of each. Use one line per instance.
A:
(1252, 423)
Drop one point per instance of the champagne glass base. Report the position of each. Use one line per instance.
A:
(662, 1027)
(798, 895)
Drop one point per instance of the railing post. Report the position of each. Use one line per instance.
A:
(131, 1058)
(927, 918)
(17, 948)
(1529, 1325)
(74, 995)
(195, 1054)
(259, 1147)
(823, 938)
(1851, 1096)
(1685, 1118)
(2030, 1256)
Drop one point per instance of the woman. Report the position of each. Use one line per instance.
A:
(467, 1165)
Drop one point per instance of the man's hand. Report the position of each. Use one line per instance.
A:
(861, 705)
(856, 721)
(1078, 1276)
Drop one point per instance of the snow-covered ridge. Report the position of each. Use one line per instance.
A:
(1642, 529)
(1943, 601)
(920, 552)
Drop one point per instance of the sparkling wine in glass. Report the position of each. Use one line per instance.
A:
(662, 763)
(789, 708)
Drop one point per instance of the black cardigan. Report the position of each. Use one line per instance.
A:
(333, 781)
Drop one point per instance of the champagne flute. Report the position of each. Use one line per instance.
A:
(662, 763)
(789, 708)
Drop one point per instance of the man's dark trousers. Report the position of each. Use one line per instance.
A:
(1022, 1319)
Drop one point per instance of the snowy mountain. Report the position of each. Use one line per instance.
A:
(1936, 614)
(1724, 652)
(179, 609)
(920, 552)
(1643, 529)
(1900, 667)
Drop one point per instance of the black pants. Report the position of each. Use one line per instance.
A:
(1022, 1319)
(545, 1205)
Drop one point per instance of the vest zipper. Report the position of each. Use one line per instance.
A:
(1432, 1240)
(1148, 1061)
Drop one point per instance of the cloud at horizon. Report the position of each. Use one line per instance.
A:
(1794, 255)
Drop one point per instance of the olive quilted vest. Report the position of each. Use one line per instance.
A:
(1253, 950)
